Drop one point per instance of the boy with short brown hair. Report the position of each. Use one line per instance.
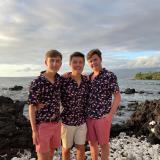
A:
(45, 89)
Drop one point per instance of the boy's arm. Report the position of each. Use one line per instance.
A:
(32, 117)
(116, 102)
(116, 95)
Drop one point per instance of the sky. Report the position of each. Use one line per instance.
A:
(126, 31)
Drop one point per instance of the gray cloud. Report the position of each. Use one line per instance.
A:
(143, 62)
(30, 28)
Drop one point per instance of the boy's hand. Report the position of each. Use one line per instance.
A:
(85, 74)
(35, 137)
(108, 116)
(66, 75)
(39, 106)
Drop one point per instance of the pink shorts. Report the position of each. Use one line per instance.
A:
(99, 130)
(49, 136)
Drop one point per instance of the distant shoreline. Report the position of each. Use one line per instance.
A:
(147, 76)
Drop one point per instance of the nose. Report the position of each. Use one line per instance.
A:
(54, 63)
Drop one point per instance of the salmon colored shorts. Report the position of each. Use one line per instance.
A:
(49, 136)
(98, 130)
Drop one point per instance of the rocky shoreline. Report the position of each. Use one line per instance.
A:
(133, 91)
(15, 130)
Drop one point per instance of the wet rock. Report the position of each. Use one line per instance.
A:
(16, 88)
(15, 129)
(132, 106)
(5, 100)
(146, 119)
(141, 92)
(130, 91)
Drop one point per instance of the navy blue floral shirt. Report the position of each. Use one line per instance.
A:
(43, 91)
(101, 89)
(74, 101)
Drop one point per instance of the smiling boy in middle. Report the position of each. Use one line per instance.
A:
(74, 95)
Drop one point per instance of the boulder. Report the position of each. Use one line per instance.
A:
(130, 91)
(16, 88)
(146, 119)
(15, 129)
(5, 100)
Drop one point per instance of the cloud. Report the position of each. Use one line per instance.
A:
(146, 62)
(141, 62)
(13, 70)
(30, 28)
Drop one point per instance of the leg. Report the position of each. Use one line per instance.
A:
(94, 150)
(105, 152)
(43, 148)
(65, 153)
(67, 136)
(80, 139)
(43, 156)
(55, 141)
(92, 138)
(80, 152)
(52, 150)
(103, 136)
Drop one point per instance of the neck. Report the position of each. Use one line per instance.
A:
(50, 74)
(96, 72)
(76, 75)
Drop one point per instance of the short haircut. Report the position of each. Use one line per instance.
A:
(53, 53)
(93, 52)
(77, 54)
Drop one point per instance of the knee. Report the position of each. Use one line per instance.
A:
(104, 147)
(80, 147)
(44, 156)
(93, 144)
(66, 151)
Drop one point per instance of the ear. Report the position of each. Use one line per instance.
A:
(45, 61)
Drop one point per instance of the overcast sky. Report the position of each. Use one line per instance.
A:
(126, 31)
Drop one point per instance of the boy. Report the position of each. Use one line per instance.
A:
(45, 89)
(103, 84)
(74, 101)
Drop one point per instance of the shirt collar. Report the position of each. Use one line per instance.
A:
(101, 72)
(57, 76)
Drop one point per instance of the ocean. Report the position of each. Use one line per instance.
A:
(134, 147)
(150, 87)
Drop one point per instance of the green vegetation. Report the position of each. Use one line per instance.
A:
(148, 76)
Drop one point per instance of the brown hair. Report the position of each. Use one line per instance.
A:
(53, 53)
(93, 52)
(76, 54)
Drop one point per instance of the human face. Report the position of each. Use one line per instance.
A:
(53, 64)
(95, 63)
(77, 64)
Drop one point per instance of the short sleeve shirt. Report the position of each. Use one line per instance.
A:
(43, 91)
(101, 89)
(74, 101)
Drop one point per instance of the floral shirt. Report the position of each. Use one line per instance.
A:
(74, 101)
(101, 89)
(43, 91)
